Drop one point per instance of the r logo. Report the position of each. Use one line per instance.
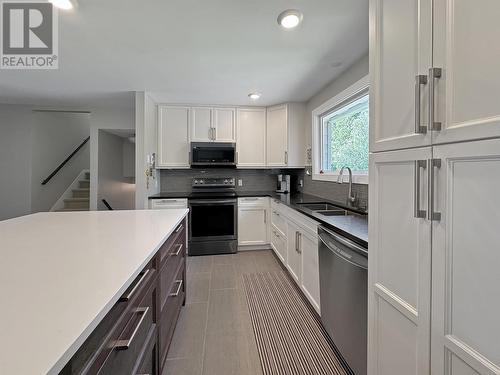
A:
(27, 28)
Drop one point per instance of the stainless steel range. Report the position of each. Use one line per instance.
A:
(213, 216)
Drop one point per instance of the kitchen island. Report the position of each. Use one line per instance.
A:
(74, 283)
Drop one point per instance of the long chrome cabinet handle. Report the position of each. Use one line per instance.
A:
(296, 241)
(180, 227)
(431, 214)
(178, 250)
(434, 73)
(178, 288)
(125, 344)
(136, 286)
(265, 217)
(300, 243)
(419, 81)
(286, 157)
(418, 213)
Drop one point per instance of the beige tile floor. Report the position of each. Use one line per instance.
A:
(214, 334)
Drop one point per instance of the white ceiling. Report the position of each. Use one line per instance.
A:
(194, 51)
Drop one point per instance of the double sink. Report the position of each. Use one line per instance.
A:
(325, 209)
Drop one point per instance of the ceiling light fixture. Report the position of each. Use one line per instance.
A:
(290, 18)
(254, 96)
(63, 4)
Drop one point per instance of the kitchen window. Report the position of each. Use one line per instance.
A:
(341, 134)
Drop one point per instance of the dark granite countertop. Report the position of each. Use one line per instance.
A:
(353, 226)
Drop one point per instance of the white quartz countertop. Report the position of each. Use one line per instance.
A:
(60, 274)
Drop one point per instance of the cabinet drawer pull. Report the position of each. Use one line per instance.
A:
(179, 286)
(125, 344)
(418, 213)
(178, 250)
(139, 283)
(419, 81)
(180, 227)
(431, 213)
(434, 73)
(251, 199)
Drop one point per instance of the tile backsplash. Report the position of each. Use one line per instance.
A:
(179, 180)
(334, 191)
(176, 180)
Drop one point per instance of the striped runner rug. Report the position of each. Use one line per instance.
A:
(290, 338)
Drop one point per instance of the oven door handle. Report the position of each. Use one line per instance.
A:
(209, 202)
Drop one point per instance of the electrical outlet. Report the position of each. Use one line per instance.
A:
(240, 182)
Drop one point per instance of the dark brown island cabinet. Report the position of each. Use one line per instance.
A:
(134, 337)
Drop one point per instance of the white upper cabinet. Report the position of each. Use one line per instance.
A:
(285, 135)
(201, 124)
(251, 140)
(466, 48)
(213, 124)
(173, 137)
(400, 56)
(466, 258)
(277, 136)
(399, 270)
(224, 124)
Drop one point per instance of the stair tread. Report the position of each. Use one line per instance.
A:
(77, 199)
(72, 209)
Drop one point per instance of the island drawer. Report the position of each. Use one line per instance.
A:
(170, 312)
(171, 246)
(127, 351)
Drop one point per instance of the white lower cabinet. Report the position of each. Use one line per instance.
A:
(466, 259)
(300, 255)
(434, 259)
(399, 270)
(294, 257)
(293, 238)
(310, 267)
(253, 221)
(169, 203)
(278, 244)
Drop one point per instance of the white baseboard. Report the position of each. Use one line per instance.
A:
(254, 247)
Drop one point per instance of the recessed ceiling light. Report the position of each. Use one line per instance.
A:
(63, 4)
(290, 18)
(254, 96)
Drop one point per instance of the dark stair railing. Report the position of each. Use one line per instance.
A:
(105, 202)
(44, 182)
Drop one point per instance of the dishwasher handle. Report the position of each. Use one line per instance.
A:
(345, 249)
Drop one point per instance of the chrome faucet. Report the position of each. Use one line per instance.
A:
(350, 197)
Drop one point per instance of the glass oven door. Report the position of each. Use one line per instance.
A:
(213, 219)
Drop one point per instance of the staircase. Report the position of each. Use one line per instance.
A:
(79, 199)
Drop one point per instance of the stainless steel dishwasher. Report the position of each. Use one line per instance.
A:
(343, 269)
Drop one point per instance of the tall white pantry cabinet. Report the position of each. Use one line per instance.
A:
(434, 221)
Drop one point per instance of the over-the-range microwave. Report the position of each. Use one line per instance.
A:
(213, 154)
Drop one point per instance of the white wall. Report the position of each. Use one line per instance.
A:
(113, 186)
(146, 144)
(32, 145)
(55, 136)
(353, 74)
(105, 118)
(15, 160)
